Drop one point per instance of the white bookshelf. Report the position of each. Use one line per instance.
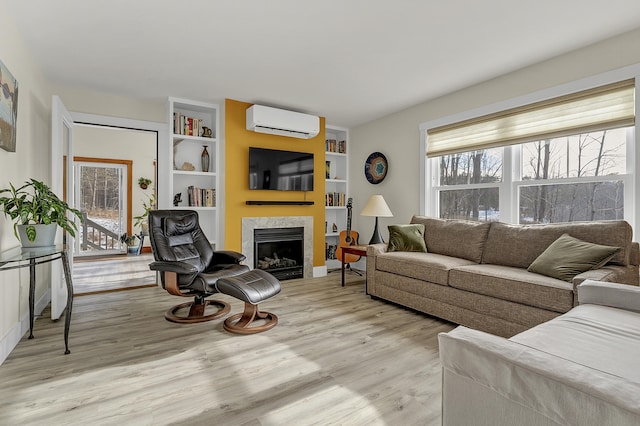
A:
(187, 149)
(337, 183)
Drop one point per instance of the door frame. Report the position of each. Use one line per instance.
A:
(61, 145)
(129, 201)
(162, 134)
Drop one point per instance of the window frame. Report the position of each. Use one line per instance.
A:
(512, 163)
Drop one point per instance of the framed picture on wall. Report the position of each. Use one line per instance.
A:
(8, 109)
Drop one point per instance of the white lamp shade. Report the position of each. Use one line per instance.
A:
(376, 206)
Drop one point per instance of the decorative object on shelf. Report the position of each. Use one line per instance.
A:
(376, 167)
(144, 182)
(377, 207)
(206, 132)
(335, 227)
(328, 170)
(187, 166)
(9, 104)
(175, 151)
(35, 206)
(205, 159)
(177, 199)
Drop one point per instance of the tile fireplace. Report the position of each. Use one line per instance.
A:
(276, 243)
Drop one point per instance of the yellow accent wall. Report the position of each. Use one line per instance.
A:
(237, 142)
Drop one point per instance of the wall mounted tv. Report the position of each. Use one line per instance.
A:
(280, 170)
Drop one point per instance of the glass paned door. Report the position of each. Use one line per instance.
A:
(101, 194)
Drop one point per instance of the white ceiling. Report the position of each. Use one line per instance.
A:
(349, 60)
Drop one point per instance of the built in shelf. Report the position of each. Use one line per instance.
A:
(278, 203)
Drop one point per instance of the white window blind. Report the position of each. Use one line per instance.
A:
(600, 108)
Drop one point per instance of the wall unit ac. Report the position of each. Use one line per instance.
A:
(281, 122)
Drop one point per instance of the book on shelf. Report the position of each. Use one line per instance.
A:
(184, 125)
(330, 251)
(335, 199)
(333, 145)
(328, 170)
(201, 197)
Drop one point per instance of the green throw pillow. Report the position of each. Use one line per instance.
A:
(567, 257)
(407, 238)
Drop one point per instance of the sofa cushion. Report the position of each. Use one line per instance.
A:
(407, 238)
(520, 245)
(567, 257)
(600, 337)
(421, 266)
(514, 284)
(457, 238)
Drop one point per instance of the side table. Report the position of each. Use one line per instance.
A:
(21, 258)
(357, 250)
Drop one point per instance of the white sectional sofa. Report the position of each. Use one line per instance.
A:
(580, 368)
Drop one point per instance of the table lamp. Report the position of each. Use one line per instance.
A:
(376, 206)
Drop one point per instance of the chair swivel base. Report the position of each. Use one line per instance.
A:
(197, 311)
(242, 323)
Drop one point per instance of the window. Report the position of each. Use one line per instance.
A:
(469, 185)
(579, 177)
(576, 172)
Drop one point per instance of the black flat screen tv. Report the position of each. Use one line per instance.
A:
(280, 170)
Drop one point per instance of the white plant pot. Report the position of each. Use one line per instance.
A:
(45, 235)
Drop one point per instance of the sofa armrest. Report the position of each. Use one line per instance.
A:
(375, 249)
(615, 295)
(490, 380)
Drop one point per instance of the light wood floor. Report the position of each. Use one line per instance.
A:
(336, 357)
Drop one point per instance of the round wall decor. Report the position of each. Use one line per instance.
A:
(375, 168)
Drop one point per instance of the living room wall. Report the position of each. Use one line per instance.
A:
(31, 159)
(397, 135)
(237, 192)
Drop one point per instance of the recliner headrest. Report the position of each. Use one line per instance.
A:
(180, 226)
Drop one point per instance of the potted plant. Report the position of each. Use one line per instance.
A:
(37, 211)
(144, 182)
(141, 220)
(130, 241)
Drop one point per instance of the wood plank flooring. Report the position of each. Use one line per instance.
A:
(336, 357)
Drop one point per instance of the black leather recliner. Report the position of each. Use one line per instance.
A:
(187, 263)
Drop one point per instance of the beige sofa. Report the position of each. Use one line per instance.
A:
(578, 369)
(475, 273)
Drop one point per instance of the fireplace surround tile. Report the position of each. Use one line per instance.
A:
(251, 223)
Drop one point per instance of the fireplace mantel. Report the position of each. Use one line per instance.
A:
(251, 223)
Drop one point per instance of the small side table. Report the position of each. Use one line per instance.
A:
(357, 250)
(17, 258)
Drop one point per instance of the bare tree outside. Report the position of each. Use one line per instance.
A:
(585, 155)
(563, 179)
(468, 168)
(100, 203)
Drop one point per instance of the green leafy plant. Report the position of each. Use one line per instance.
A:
(127, 239)
(34, 203)
(144, 182)
(150, 204)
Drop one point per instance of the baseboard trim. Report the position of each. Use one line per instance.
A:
(15, 334)
(319, 271)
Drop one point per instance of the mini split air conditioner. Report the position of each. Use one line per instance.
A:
(281, 122)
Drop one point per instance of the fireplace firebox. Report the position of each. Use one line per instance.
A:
(280, 251)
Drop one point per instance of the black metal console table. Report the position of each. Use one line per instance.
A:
(21, 258)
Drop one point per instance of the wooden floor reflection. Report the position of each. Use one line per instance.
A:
(112, 273)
